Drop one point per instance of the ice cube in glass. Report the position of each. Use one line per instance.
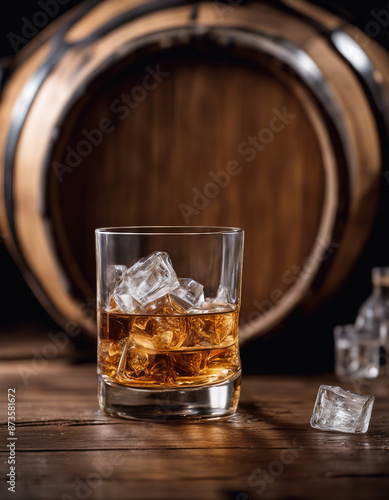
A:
(151, 277)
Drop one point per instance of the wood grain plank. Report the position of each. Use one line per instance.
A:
(267, 450)
(184, 474)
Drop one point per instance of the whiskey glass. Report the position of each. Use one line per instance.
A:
(168, 301)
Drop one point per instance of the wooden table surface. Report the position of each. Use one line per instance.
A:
(66, 449)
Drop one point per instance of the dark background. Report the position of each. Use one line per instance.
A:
(304, 343)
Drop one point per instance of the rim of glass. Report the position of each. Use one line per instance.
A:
(168, 230)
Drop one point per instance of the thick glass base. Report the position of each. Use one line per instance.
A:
(213, 401)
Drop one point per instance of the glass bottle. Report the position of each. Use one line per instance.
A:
(373, 315)
(375, 309)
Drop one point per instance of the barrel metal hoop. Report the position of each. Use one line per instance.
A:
(357, 60)
(288, 9)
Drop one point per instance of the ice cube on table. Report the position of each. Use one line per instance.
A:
(189, 293)
(151, 277)
(339, 410)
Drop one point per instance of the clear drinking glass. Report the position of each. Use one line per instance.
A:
(357, 352)
(168, 302)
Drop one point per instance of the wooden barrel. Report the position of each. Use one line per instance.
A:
(178, 112)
